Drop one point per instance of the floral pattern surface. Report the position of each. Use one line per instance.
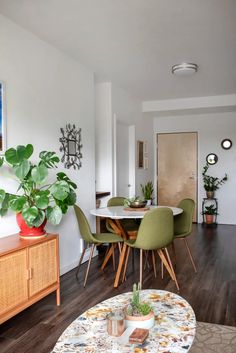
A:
(173, 332)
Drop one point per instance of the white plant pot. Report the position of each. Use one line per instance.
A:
(146, 321)
(149, 202)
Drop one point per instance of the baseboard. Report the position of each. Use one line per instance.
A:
(74, 264)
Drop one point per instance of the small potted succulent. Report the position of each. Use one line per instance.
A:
(210, 213)
(210, 183)
(138, 313)
(147, 190)
(36, 200)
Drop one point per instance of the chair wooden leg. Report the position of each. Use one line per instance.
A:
(107, 257)
(126, 262)
(121, 260)
(174, 253)
(162, 270)
(113, 257)
(141, 268)
(190, 255)
(172, 269)
(80, 261)
(154, 264)
(168, 267)
(88, 267)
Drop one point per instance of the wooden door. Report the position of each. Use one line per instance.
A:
(176, 168)
(43, 266)
(13, 280)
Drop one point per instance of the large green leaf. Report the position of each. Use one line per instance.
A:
(42, 200)
(16, 156)
(49, 159)
(71, 198)
(29, 149)
(39, 174)
(2, 196)
(11, 156)
(30, 214)
(22, 169)
(4, 205)
(54, 215)
(60, 190)
(63, 176)
(39, 219)
(17, 203)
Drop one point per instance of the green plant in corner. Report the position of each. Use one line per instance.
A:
(37, 199)
(211, 183)
(147, 190)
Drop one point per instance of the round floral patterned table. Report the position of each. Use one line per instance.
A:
(173, 332)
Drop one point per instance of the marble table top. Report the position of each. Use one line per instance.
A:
(173, 332)
(120, 212)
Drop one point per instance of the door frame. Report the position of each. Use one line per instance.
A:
(156, 163)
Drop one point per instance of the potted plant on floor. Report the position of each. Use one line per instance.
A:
(138, 313)
(211, 183)
(38, 201)
(210, 213)
(147, 190)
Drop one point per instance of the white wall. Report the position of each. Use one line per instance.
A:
(45, 90)
(113, 103)
(212, 129)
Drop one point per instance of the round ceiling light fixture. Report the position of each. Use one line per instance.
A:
(184, 69)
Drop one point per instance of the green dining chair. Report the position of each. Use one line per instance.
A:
(183, 225)
(92, 239)
(155, 233)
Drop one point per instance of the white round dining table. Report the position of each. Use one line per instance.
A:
(121, 212)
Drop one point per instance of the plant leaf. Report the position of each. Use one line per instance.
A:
(71, 198)
(49, 159)
(1, 161)
(22, 169)
(17, 203)
(60, 190)
(54, 215)
(29, 149)
(39, 219)
(2, 196)
(11, 156)
(30, 214)
(42, 200)
(63, 176)
(39, 174)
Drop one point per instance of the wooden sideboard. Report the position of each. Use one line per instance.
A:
(29, 270)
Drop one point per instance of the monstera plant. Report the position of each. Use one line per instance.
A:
(36, 200)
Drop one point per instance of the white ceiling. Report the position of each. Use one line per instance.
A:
(134, 43)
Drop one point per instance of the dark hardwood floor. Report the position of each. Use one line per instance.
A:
(211, 292)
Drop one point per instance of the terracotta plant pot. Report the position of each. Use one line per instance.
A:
(209, 218)
(26, 231)
(146, 321)
(210, 194)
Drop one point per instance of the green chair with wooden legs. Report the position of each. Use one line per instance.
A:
(183, 225)
(155, 233)
(92, 239)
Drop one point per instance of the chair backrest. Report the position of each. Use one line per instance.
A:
(183, 222)
(156, 230)
(84, 227)
(116, 201)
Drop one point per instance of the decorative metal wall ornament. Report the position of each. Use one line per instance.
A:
(71, 146)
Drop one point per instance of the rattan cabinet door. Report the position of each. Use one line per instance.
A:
(43, 265)
(13, 280)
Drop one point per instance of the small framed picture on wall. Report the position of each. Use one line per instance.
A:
(142, 155)
(2, 119)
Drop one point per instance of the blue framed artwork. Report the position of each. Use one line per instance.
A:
(2, 120)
